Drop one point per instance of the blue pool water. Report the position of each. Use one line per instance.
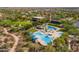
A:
(46, 38)
(52, 28)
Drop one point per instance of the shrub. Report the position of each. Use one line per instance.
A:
(6, 22)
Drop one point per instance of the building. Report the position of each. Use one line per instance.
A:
(77, 24)
(37, 18)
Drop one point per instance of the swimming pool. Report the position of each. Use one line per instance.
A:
(52, 28)
(39, 35)
(47, 38)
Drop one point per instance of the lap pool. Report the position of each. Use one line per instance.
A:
(53, 28)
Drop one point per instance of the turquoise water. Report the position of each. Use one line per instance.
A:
(39, 35)
(46, 38)
(52, 28)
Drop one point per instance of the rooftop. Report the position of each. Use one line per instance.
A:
(77, 24)
(39, 17)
